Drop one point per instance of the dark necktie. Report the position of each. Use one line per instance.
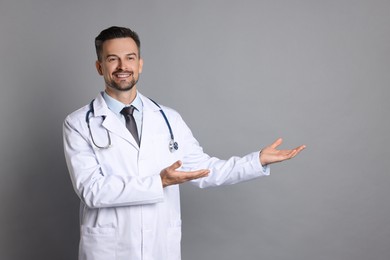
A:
(130, 122)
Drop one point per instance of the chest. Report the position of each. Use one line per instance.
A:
(124, 157)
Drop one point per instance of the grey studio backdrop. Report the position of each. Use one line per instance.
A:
(241, 73)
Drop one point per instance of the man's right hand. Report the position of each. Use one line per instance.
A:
(170, 175)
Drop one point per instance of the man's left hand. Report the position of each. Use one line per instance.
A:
(271, 155)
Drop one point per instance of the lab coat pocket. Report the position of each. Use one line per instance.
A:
(97, 243)
(174, 238)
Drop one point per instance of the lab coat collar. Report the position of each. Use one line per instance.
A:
(148, 104)
(101, 108)
(112, 123)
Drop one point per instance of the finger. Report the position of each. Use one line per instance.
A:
(194, 175)
(194, 172)
(200, 175)
(297, 150)
(276, 143)
(202, 172)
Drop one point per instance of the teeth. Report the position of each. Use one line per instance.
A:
(122, 75)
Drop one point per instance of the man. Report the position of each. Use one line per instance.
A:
(125, 165)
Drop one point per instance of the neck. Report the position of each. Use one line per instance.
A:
(125, 97)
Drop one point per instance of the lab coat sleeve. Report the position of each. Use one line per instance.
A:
(98, 189)
(222, 172)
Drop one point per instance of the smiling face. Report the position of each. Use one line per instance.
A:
(120, 65)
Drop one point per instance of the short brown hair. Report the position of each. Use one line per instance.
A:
(115, 32)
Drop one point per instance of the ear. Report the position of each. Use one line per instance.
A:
(99, 68)
(141, 64)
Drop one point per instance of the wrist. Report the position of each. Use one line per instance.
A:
(261, 158)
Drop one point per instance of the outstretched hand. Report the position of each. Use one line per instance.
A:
(170, 175)
(271, 155)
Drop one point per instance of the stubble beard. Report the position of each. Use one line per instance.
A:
(123, 88)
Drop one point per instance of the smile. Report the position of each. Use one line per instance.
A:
(123, 75)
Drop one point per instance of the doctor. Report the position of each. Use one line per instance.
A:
(127, 179)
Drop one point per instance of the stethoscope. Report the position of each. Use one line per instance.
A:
(173, 145)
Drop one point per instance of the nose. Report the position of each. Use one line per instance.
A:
(121, 65)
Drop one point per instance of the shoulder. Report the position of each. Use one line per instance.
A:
(78, 115)
(170, 111)
(152, 104)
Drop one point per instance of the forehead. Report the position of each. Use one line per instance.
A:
(120, 46)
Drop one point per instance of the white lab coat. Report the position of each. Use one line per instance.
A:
(125, 212)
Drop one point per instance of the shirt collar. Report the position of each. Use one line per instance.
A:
(117, 106)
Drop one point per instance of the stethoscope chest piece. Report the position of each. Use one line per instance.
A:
(173, 146)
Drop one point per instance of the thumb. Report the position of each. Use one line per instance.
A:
(175, 165)
(277, 143)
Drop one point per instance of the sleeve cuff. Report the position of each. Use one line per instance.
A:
(263, 170)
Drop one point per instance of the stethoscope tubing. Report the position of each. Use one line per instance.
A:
(173, 145)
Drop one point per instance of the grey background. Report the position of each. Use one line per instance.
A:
(312, 72)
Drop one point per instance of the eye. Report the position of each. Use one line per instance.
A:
(111, 59)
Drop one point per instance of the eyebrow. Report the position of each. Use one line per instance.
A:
(129, 54)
